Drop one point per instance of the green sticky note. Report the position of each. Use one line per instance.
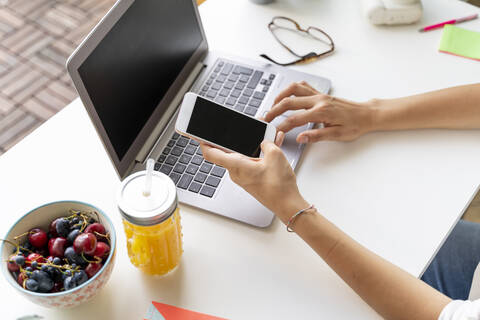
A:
(460, 42)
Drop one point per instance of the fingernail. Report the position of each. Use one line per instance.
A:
(303, 139)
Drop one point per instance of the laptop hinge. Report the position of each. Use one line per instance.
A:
(172, 107)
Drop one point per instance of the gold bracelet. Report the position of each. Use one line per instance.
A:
(292, 219)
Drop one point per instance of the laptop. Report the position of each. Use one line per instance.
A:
(131, 73)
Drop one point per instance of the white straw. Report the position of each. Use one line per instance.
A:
(148, 178)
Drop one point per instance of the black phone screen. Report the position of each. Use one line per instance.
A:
(227, 128)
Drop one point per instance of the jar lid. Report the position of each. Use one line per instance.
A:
(149, 210)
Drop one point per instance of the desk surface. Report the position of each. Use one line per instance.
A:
(397, 193)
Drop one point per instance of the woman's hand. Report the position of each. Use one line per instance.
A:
(343, 120)
(270, 179)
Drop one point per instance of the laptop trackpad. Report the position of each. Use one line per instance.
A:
(290, 147)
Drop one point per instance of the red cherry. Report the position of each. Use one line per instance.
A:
(37, 238)
(101, 250)
(56, 246)
(34, 257)
(86, 243)
(57, 287)
(21, 278)
(96, 228)
(12, 265)
(53, 227)
(92, 269)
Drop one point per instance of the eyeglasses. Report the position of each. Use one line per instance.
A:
(283, 24)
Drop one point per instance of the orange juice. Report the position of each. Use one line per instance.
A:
(152, 223)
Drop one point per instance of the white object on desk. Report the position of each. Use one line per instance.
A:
(392, 11)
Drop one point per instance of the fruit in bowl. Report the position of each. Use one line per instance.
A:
(60, 254)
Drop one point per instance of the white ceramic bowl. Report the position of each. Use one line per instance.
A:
(41, 217)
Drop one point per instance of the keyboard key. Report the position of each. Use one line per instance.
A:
(248, 92)
(271, 77)
(190, 149)
(175, 177)
(212, 181)
(195, 187)
(265, 89)
(192, 169)
(209, 81)
(218, 171)
(250, 111)
(217, 69)
(197, 160)
(171, 143)
(213, 75)
(203, 93)
(176, 151)
(255, 79)
(236, 93)
(185, 181)
(185, 159)
(243, 70)
(244, 78)
(166, 151)
(220, 100)
(193, 142)
(205, 88)
(220, 63)
(157, 166)
(182, 142)
(211, 94)
(240, 107)
(233, 77)
(180, 168)
(207, 191)
(206, 167)
(231, 101)
(199, 152)
(162, 158)
(221, 78)
(200, 177)
(243, 100)
(175, 136)
(263, 81)
(171, 160)
(259, 95)
(254, 103)
(240, 86)
(229, 85)
(216, 86)
(228, 67)
(166, 169)
(268, 83)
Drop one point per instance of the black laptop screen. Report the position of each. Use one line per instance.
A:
(131, 69)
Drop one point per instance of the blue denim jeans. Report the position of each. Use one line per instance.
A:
(451, 271)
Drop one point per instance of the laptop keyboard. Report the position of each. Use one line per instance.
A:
(234, 86)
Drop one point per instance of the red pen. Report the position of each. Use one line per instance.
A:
(453, 21)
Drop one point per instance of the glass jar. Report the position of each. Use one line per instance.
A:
(151, 222)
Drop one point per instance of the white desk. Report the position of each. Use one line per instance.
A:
(397, 193)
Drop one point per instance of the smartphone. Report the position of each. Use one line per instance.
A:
(228, 129)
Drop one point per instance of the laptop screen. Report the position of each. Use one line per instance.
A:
(131, 69)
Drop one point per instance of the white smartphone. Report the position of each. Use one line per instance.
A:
(214, 124)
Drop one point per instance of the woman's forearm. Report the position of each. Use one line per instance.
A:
(392, 292)
(452, 108)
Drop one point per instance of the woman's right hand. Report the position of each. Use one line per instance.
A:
(270, 179)
(343, 120)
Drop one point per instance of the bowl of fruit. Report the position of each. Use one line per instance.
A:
(59, 255)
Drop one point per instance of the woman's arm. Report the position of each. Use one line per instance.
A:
(392, 292)
(452, 108)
